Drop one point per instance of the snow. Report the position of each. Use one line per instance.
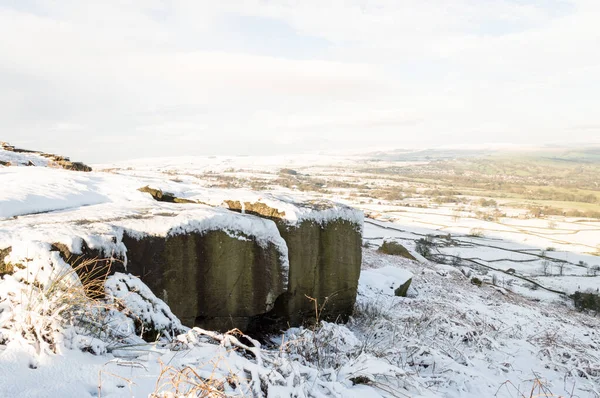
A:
(221, 164)
(449, 338)
(141, 303)
(38, 189)
(293, 211)
(383, 280)
(22, 159)
(100, 207)
(452, 339)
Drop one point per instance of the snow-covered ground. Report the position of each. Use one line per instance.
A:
(448, 338)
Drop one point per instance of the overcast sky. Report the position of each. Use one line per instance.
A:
(109, 80)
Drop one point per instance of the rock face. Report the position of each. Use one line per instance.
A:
(325, 264)
(210, 279)
(285, 263)
(217, 281)
(325, 256)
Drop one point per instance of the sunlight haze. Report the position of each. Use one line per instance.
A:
(115, 80)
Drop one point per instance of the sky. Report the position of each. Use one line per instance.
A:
(112, 80)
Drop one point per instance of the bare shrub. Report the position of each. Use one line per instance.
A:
(64, 297)
(476, 233)
(546, 269)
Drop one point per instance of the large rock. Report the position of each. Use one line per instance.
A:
(325, 253)
(214, 267)
(402, 290)
(209, 279)
(395, 249)
(325, 262)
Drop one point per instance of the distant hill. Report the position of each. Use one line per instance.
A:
(572, 154)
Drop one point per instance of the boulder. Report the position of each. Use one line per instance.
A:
(325, 255)
(325, 262)
(209, 279)
(74, 166)
(161, 196)
(396, 249)
(282, 263)
(476, 281)
(257, 208)
(402, 290)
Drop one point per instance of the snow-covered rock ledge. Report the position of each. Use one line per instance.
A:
(218, 266)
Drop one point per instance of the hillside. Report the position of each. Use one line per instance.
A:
(483, 307)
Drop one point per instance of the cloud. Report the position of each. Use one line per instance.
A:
(168, 75)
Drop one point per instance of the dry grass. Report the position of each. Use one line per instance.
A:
(537, 388)
(68, 296)
(216, 377)
(187, 382)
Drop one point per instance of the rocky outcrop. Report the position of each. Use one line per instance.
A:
(325, 264)
(325, 255)
(281, 263)
(161, 196)
(56, 160)
(209, 279)
(222, 278)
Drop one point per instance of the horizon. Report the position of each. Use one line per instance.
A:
(485, 148)
(111, 82)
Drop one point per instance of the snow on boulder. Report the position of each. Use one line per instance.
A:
(151, 316)
(220, 259)
(323, 241)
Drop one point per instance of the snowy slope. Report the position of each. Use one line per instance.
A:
(449, 338)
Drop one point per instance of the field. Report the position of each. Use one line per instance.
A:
(502, 302)
(524, 225)
(529, 221)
